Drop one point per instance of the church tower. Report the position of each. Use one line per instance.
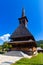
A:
(21, 38)
(23, 20)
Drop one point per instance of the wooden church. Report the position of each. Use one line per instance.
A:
(21, 38)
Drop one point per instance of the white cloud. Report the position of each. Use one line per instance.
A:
(5, 37)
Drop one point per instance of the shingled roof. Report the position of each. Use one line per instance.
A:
(21, 31)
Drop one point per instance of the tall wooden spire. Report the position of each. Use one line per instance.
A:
(23, 20)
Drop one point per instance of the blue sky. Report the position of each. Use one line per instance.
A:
(11, 10)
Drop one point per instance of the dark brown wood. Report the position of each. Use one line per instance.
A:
(21, 38)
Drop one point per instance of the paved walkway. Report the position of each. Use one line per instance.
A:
(7, 60)
(12, 57)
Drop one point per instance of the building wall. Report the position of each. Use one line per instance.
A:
(24, 49)
(24, 46)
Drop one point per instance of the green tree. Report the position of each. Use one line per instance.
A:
(41, 45)
(0, 47)
(6, 46)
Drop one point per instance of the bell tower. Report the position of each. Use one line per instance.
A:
(23, 20)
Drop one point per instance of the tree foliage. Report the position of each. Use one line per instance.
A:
(6, 46)
(40, 43)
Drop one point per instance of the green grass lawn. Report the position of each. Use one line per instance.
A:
(35, 60)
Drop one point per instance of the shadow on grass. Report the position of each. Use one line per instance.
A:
(36, 64)
(25, 63)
